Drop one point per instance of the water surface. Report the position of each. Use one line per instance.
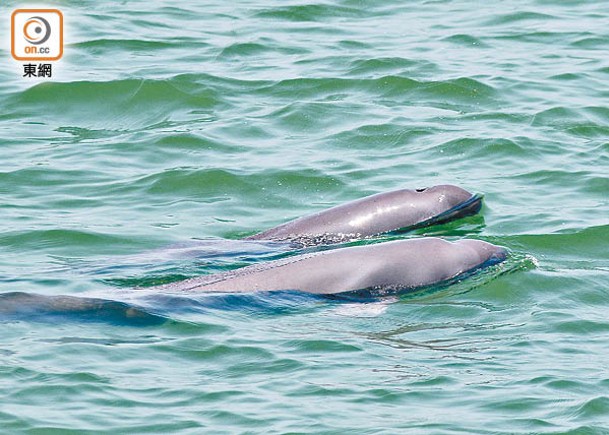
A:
(170, 121)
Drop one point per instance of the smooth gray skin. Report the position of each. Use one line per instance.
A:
(400, 264)
(372, 215)
(395, 266)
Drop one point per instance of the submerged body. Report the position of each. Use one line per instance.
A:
(404, 264)
(380, 213)
(31, 306)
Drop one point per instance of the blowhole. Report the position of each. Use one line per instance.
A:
(423, 189)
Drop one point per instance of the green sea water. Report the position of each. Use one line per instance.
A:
(170, 121)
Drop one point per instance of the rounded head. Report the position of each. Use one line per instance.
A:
(433, 205)
(380, 213)
(487, 253)
(446, 196)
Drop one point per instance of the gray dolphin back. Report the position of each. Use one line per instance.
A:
(376, 214)
(404, 264)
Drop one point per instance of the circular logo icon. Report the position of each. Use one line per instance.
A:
(36, 30)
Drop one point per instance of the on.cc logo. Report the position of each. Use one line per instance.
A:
(37, 30)
(37, 34)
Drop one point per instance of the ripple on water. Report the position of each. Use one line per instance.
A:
(117, 104)
(310, 13)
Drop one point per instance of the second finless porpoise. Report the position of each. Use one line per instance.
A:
(397, 265)
(391, 267)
